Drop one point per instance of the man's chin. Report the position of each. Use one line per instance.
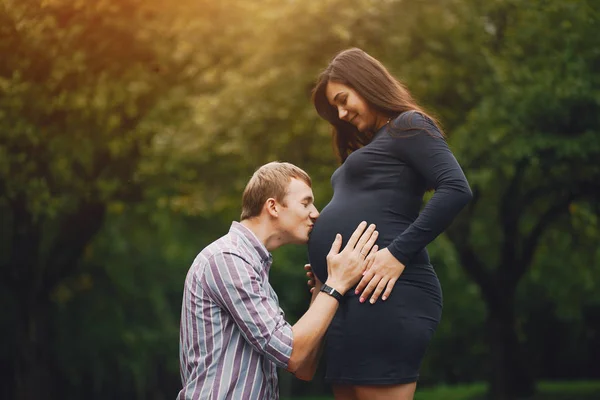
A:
(304, 240)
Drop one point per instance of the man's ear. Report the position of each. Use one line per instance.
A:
(272, 207)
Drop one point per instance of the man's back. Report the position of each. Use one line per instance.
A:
(233, 334)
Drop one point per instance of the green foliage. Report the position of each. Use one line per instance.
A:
(129, 128)
(548, 391)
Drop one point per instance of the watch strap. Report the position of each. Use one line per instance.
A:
(332, 292)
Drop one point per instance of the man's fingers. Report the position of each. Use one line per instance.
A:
(356, 235)
(310, 283)
(336, 245)
(389, 288)
(364, 238)
(370, 259)
(378, 290)
(370, 287)
(367, 247)
(374, 249)
(307, 267)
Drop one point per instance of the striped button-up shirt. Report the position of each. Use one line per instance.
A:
(233, 334)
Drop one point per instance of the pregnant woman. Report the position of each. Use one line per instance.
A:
(391, 153)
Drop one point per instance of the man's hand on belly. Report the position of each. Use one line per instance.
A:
(345, 268)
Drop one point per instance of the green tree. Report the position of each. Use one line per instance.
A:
(528, 149)
(130, 124)
(84, 88)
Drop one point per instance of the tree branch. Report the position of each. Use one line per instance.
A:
(482, 156)
(458, 233)
(76, 232)
(532, 240)
(510, 211)
(560, 208)
(25, 247)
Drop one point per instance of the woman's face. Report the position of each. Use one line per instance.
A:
(353, 108)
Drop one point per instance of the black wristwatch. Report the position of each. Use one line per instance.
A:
(332, 292)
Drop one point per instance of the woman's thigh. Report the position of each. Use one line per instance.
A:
(344, 392)
(385, 392)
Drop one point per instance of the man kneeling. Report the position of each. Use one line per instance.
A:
(233, 333)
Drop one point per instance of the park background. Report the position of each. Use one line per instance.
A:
(128, 129)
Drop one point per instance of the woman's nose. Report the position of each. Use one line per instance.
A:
(342, 113)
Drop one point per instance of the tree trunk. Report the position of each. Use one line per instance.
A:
(510, 378)
(32, 325)
(32, 369)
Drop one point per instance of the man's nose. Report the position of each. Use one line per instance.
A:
(314, 213)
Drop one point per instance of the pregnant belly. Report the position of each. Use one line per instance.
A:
(343, 217)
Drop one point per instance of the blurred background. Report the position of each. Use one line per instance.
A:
(129, 128)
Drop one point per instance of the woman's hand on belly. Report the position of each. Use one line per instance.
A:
(312, 279)
(382, 275)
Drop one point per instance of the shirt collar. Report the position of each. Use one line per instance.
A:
(250, 238)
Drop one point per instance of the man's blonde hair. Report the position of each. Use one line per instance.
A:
(270, 180)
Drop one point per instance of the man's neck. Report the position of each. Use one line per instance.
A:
(270, 237)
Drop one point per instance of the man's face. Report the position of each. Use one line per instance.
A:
(298, 213)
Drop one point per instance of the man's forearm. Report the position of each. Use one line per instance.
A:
(309, 331)
(315, 291)
(307, 370)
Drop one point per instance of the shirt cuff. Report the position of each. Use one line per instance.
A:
(279, 348)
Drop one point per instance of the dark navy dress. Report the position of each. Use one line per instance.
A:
(384, 183)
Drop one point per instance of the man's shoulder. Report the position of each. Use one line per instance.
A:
(228, 244)
(212, 257)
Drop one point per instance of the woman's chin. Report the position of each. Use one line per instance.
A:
(360, 128)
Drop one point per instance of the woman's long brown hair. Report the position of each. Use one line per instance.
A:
(372, 81)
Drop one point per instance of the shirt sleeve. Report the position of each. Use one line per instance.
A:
(424, 149)
(234, 284)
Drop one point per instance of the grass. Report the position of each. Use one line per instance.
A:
(576, 390)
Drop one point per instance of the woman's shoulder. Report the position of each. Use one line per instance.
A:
(412, 119)
(415, 124)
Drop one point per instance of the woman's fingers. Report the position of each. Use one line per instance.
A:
(373, 248)
(380, 286)
(389, 288)
(311, 277)
(370, 287)
(370, 259)
(367, 276)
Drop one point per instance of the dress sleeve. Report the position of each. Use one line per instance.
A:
(234, 284)
(424, 149)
